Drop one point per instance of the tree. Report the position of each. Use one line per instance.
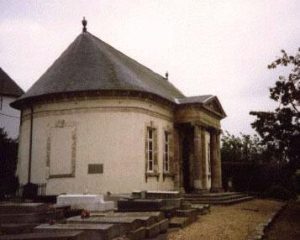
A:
(280, 129)
(243, 148)
(8, 163)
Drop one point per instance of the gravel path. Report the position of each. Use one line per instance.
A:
(233, 222)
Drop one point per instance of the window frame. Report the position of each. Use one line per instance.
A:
(166, 152)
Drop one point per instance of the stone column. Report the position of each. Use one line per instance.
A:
(216, 171)
(204, 163)
(197, 159)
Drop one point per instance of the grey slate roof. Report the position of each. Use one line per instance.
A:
(90, 64)
(8, 86)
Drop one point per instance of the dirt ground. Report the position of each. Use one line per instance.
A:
(287, 225)
(233, 222)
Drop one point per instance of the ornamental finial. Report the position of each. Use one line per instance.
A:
(167, 75)
(84, 23)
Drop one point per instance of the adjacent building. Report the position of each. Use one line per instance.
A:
(9, 117)
(98, 121)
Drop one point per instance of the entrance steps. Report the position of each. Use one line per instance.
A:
(216, 198)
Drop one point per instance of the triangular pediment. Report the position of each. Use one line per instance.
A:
(214, 105)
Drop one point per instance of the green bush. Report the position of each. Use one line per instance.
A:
(279, 192)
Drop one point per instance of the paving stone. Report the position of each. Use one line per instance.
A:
(68, 235)
(93, 231)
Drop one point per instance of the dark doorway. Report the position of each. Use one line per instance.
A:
(186, 164)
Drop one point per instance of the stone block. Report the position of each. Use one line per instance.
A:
(156, 215)
(93, 231)
(13, 208)
(24, 218)
(153, 230)
(85, 201)
(178, 222)
(68, 235)
(156, 194)
(140, 205)
(172, 202)
(17, 228)
(137, 234)
(163, 225)
(125, 224)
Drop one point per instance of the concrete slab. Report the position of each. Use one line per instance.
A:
(93, 231)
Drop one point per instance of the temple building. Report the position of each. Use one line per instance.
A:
(98, 121)
(9, 117)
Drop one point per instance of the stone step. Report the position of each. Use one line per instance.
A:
(201, 208)
(17, 228)
(93, 231)
(208, 198)
(220, 201)
(140, 205)
(68, 235)
(156, 194)
(212, 195)
(178, 222)
(18, 208)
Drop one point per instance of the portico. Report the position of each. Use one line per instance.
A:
(198, 125)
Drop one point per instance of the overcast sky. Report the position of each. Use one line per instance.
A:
(207, 46)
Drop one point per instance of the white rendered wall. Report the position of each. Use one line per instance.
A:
(9, 117)
(109, 132)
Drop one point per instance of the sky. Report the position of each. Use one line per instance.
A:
(219, 47)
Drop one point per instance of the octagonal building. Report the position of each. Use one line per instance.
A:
(98, 121)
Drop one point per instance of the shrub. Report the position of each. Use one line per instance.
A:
(279, 192)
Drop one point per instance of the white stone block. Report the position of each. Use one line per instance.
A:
(85, 201)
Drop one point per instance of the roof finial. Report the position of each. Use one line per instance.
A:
(84, 23)
(167, 75)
